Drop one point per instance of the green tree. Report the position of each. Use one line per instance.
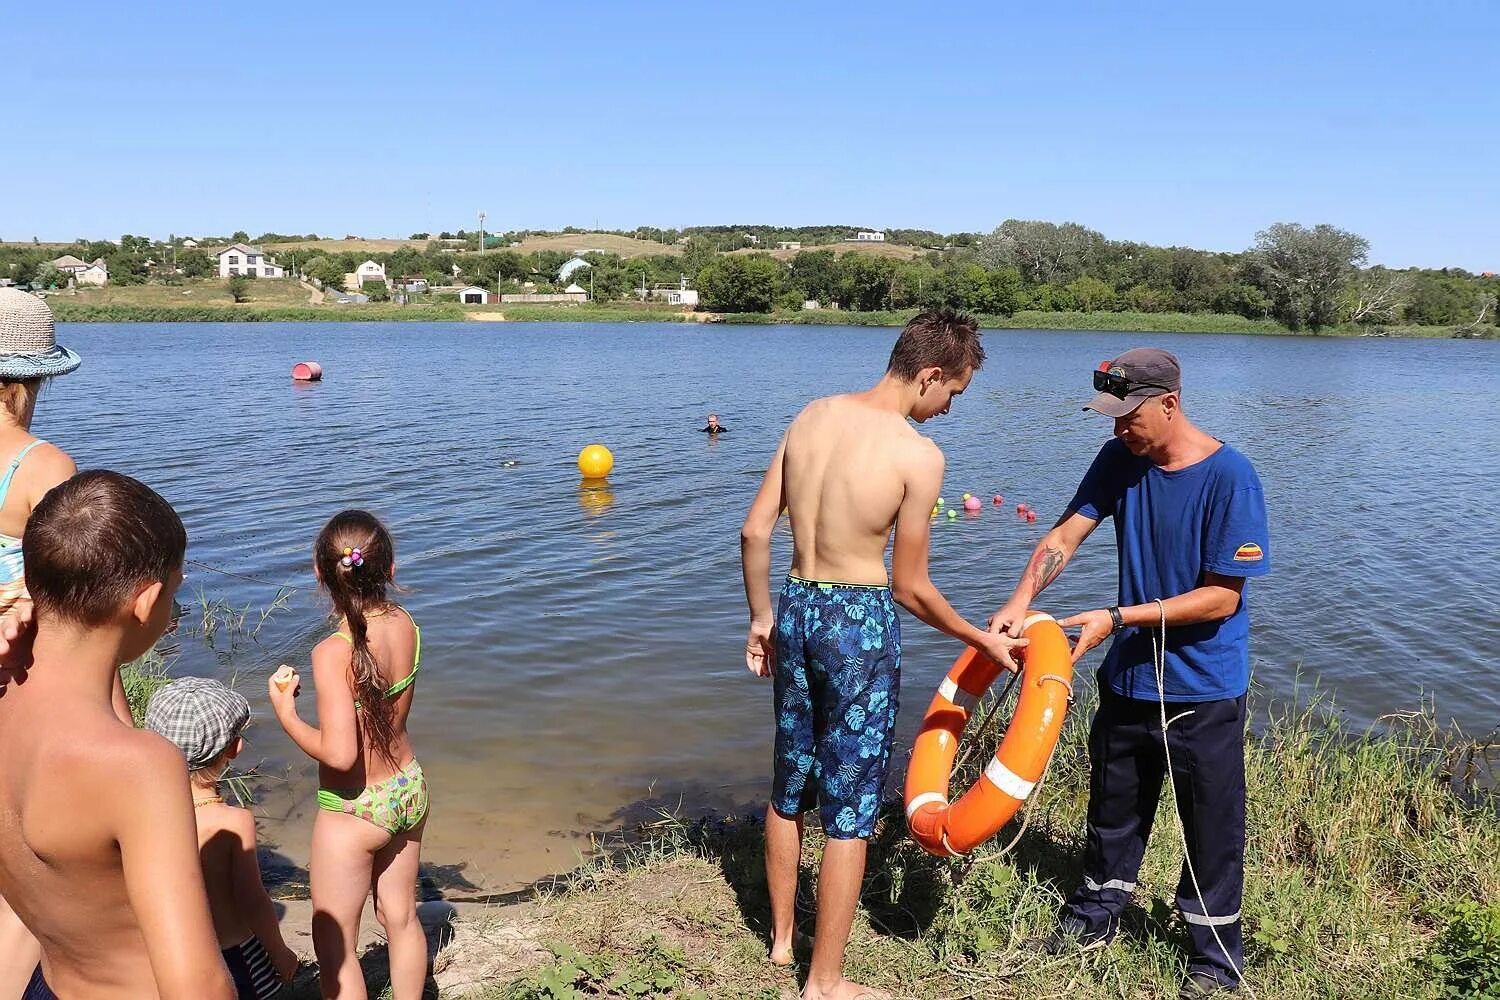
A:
(1043, 251)
(238, 287)
(1305, 271)
(816, 273)
(328, 270)
(194, 263)
(865, 281)
(740, 283)
(1091, 294)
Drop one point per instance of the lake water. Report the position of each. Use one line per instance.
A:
(584, 647)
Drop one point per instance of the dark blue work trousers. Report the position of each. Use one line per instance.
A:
(1127, 761)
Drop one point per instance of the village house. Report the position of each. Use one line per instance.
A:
(81, 271)
(788, 245)
(869, 236)
(367, 273)
(252, 262)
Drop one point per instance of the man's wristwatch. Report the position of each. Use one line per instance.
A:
(1117, 618)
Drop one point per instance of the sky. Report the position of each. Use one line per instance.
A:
(1189, 125)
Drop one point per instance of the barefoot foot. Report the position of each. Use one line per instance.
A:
(844, 990)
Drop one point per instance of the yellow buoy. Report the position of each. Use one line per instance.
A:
(595, 461)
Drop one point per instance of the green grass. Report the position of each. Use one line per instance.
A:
(588, 312)
(1366, 876)
(70, 312)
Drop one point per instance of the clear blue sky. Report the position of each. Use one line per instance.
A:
(1195, 124)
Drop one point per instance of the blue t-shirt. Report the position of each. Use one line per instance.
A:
(1170, 529)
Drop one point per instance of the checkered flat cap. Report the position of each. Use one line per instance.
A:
(201, 717)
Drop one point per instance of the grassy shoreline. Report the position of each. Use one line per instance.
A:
(77, 312)
(1365, 876)
(1370, 872)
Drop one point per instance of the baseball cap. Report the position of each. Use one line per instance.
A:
(199, 716)
(1132, 378)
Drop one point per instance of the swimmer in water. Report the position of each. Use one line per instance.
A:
(713, 428)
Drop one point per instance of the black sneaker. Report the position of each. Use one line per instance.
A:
(1204, 984)
(1071, 936)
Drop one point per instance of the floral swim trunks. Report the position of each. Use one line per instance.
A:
(838, 681)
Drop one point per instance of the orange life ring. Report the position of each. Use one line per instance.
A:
(1046, 684)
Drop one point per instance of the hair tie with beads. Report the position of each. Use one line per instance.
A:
(352, 558)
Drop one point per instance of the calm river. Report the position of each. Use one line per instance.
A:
(583, 649)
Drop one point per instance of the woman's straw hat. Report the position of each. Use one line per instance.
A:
(28, 343)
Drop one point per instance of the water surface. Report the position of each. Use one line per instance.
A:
(583, 647)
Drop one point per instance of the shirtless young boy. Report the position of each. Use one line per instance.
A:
(849, 469)
(98, 852)
(205, 719)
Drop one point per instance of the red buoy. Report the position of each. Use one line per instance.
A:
(999, 500)
(307, 371)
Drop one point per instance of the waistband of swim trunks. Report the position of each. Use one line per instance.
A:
(836, 585)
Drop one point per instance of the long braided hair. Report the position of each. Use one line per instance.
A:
(356, 558)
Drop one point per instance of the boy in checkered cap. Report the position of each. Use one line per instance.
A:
(204, 719)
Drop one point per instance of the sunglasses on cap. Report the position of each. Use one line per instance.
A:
(1119, 386)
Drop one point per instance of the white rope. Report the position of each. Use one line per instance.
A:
(1159, 653)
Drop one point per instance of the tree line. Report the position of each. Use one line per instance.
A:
(1305, 277)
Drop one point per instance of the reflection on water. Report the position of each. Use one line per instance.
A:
(583, 641)
(595, 496)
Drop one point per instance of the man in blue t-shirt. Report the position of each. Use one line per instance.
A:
(1190, 528)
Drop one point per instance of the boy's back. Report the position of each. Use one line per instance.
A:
(846, 469)
(65, 792)
(98, 851)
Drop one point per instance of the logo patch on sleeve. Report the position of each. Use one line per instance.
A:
(1249, 552)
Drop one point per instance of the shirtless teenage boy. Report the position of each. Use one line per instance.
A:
(849, 469)
(98, 853)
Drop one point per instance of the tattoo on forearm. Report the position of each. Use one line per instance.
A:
(1045, 566)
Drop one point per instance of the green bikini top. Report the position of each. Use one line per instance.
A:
(416, 664)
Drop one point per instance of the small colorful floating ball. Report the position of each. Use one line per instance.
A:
(952, 514)
(972, 503)
(595, 461)
(967, 495)
(1031, 517)
(942, 502)
(999, 500)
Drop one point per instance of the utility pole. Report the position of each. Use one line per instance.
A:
(481, 234)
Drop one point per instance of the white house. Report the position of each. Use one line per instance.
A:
(365, 273)
(567, 270)
(189, 243)
(868, 236)
(788, 245)
(676, 295)
(249, 261)
(473, 295)
(81, 271)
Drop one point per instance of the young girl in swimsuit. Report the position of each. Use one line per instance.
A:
(372, 797)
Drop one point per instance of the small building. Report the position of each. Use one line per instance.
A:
(751, 238)
(413, 284)
(473, 295)
(190, 243)
(788, 245)
(567, 271)
(673, 295)
(367, 273)
(81, 271)
(252, 262)
(869, 236)
(575, 289)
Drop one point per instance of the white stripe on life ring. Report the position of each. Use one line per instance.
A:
(1008, 781)
(922, 800)
(1040, 616)
(956, 695)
